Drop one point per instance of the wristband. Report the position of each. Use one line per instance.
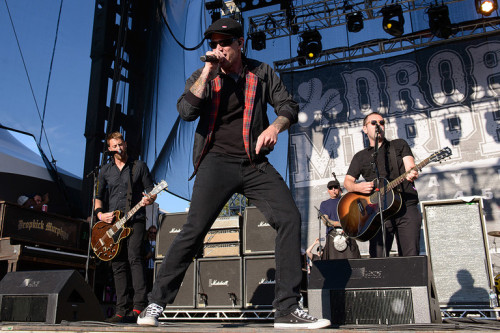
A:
(98, 210)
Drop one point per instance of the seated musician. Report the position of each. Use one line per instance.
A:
(337, 246)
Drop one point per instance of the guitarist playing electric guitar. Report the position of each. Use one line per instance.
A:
(115, 194)
(394, 158)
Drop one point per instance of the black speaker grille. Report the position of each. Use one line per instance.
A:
(259, 236)
(169, 226)
(219, 283)
(24, 308)
(385, 307)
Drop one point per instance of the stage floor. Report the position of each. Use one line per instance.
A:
(461, 325)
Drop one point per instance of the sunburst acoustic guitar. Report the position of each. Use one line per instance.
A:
(359, 213)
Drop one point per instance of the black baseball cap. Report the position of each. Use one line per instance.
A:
(333, 183)
(226, 26)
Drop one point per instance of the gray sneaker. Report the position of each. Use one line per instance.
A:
(300, 319)
(149, 316)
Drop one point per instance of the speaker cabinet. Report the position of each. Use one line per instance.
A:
(260, 281)
(186, 296)
(169, 226)
(219, 283)
(47, 296)
(457, 245)
(389, 291)
(258, 235)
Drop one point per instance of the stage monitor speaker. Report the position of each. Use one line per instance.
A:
(456, 243)
(388, 291)
(258, 235)
(186, 296)
(259, 273)
(219, 283)
(169, 226)
(47, 296)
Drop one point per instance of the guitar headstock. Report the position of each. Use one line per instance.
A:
(159, 187)
(440, 155)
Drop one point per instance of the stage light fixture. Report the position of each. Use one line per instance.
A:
(310, 45)
(393, 22)
(355, 22)
(439, 21)
(258, 40)
(486, 7)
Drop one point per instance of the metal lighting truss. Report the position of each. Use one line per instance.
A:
(462, 31)
(325, 14)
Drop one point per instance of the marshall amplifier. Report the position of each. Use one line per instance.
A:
(186, 295)
(259, 272)
(258, 235)
(219, 283)
(388, 291)
(168, 227)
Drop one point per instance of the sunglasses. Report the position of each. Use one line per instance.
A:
(223, 42)
(381, 122)
(334, 187)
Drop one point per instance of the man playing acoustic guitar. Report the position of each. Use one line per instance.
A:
(113, 194)
(393, 159)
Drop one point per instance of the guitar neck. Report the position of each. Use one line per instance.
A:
(127, 216)
(401, 178)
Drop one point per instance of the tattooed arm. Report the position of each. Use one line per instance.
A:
(269, 136)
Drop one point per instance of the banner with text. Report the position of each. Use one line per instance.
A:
(440, 96)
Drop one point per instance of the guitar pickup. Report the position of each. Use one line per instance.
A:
(360, 207)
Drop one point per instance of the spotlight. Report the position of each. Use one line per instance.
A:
(439, 21)
(354, 22)
(394, 21)
(310, 46)
(486, 7)
(258, 40)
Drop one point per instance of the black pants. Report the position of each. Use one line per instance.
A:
(218, 178)
(128, 272)
(405, 225)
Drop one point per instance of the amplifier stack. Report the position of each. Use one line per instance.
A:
(236, 268)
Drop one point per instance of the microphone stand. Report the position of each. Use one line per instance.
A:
(94, 173)
(378, 189)
(320, 248)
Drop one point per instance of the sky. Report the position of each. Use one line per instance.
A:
(23, 86)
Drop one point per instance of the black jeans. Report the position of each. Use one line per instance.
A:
(405, 225)
(129, 265)
(218, 178)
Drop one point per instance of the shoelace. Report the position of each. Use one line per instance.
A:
(302, 314)
(154, 310)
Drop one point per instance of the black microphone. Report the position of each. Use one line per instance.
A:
(209, 58)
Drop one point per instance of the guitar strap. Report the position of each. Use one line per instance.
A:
(130, 181)
(395, 167)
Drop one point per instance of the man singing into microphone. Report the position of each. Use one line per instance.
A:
(393, 159)
(233, 137)
(114, 193)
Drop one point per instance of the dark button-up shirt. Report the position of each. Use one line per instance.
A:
(113, 186)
